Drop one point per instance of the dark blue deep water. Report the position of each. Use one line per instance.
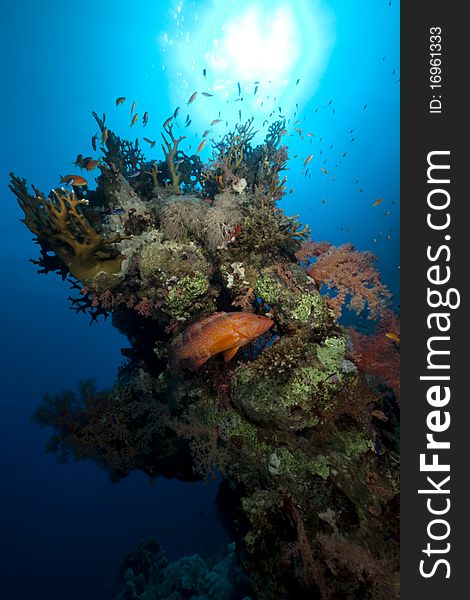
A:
(65, 527)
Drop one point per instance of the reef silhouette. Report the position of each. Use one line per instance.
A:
(301, 424)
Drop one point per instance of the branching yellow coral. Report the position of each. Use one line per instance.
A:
(170, 149)
(58, 222)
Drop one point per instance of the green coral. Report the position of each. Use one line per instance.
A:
(320, 466)
(177, 275)
(309, 306)
(183, 297)
(163, 260)
(332, 353)
(293, 402)
(297, 303)
(355, 443)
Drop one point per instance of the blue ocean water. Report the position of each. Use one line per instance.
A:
(335, 64)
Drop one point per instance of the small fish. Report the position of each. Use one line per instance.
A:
(93, 141)
(308, 159)
(104, 118)
(120, 100)
(188, 123)
(309, 134)
(215, 121)
(134, 174)
(104, 135)
(207, 94)
(118, 211)
(206, 133)
(240, 115)
(324, 171)
(256, 89)
(145, 118)
(152, 143)
(219, 333)
(192, 98)
(387, 213)
(297, 82)
(239, 88)
(73, 180)
(134, 119)
(168, 121)
(91, 164)
(178, 161)
(365, 106)
(201, 146)
(133, 107)
(377, 202)
(204, 72)
(78, 162)
(392, 336)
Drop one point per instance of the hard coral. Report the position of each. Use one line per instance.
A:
(61, 225)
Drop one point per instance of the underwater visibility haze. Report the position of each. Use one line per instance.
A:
(200, 243)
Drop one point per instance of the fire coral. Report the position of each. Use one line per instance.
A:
(58, 222)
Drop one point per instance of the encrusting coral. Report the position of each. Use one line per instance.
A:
(300, 422)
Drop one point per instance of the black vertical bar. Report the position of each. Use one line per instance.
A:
(435, 120)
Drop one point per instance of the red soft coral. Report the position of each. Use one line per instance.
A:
(378, 355)
(351, 272)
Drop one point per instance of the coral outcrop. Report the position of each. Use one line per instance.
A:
(301, 423)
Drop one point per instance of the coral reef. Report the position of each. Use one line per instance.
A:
(301, 423)
(148, 575)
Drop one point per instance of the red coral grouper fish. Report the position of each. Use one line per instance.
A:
(221, 332)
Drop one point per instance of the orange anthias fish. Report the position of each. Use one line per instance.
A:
(92, 164)
(308, 159)
(74, 180)
(377, 202)
(393, 336)
(120, 100)
(221, 332)
(201, 146)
